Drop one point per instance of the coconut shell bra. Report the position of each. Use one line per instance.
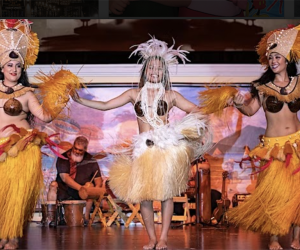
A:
(277, 96)
(162, 108)
(12, 106)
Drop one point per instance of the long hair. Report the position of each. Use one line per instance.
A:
(166, 75)
(269, 76)
(25, 82)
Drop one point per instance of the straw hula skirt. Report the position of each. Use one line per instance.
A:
(21, 180)
(159, 163)
(275, 204)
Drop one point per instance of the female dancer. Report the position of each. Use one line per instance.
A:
(157, 167)
(274, 206)
(20, 155)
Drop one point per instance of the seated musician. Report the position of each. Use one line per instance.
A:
(78, 170)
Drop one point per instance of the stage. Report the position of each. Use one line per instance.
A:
(98, 237)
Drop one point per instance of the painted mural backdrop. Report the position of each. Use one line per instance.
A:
(232, 132)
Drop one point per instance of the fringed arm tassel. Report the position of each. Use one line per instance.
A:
(54, 90)
(213, 101)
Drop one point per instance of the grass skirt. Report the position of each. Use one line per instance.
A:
(21, 181)
(275, 204)
(159, 164)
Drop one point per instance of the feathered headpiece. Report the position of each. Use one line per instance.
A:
(286, 42)
(18, 42)
(157, 48)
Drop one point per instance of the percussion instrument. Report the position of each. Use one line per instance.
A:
(90, 192)
(48, 212)
(74, 212)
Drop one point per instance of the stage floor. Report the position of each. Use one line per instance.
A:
(134, 237)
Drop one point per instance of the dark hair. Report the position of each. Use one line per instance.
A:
(25, 82)
(23, 78)
(269, 76)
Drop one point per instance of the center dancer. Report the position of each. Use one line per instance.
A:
(157, 164)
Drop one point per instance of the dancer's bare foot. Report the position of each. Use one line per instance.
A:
(150, 245)
(2, 243)
(274, 245)
(11, 244)
(162, 244)
(296, 235)
(295, 244)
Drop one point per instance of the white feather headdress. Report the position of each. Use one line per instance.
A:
(157, 48)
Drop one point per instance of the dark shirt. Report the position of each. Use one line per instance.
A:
(146, 8)
(85, 172)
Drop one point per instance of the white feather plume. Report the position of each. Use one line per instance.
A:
(155, 47)
(171, 135)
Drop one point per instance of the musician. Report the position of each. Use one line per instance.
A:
(76, 171)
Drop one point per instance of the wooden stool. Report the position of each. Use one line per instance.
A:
(186, 215)
(98, 210)
(96, 193)
(119, 206)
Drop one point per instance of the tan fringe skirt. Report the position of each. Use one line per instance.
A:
(159, 164)
(21, 182)
(275, 204)
(155, 175)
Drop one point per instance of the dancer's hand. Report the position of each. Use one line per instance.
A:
(238, 100)
(117, 7)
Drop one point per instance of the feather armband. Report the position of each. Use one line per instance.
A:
(213, 101)
(54, 90)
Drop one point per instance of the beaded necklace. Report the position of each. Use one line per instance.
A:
(9, 90)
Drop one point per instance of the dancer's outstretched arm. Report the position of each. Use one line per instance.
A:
(248, 108)
(184, 104)
(116, 102)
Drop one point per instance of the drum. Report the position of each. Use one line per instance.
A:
(74, 212)
(48, 212)
(91, 192)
